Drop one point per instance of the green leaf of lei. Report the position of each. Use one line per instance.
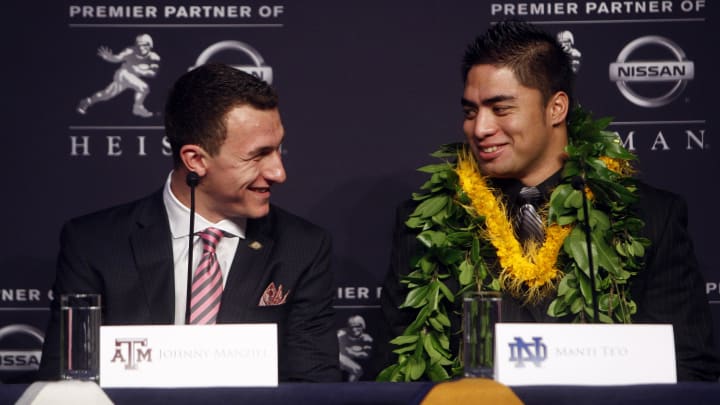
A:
(456, 250)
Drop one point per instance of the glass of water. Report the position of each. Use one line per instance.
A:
(481, 311)
(80, 319)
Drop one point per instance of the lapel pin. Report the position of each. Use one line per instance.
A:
(255, 245)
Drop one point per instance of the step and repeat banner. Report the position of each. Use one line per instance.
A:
(368, 89)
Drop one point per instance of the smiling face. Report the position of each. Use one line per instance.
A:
(236, 181)
(511, 131)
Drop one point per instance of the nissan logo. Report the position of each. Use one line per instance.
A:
(257, 69)
(19, 360)
(678, 71)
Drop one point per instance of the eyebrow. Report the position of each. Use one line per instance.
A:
(467, 103)
(265, 148)
(488, 101)
(262, 150)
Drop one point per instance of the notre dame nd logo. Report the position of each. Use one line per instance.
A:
(521, 351)
(131, 352)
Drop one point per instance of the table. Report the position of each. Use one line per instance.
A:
(398, 393)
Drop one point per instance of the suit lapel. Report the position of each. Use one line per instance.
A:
(248, 274)
(539, 311)
(152, 247)
(514, 310)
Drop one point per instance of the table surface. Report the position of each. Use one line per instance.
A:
(398, 393)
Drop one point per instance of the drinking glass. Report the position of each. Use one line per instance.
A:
(80, 319)
(481, 311)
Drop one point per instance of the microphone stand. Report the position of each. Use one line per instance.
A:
(578, 183)
(192, 181)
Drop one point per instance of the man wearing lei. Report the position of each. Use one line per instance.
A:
(461, 231)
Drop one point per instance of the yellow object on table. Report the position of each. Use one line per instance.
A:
(471, 391)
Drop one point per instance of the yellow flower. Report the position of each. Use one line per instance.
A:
(621, 167)
(589, 193)
(530, 272)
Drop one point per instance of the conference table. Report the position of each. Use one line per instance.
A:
(690, 393)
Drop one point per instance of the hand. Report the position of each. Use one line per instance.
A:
(105, 53)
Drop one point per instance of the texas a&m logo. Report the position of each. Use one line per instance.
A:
(131, 352)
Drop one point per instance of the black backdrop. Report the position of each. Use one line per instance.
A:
(368, 89)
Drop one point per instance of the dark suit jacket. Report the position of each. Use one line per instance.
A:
(669, 289)
(125, 254)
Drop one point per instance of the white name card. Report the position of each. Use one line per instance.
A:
(189, 356)
(582, 354)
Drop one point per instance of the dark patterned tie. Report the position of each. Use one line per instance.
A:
(207, 281)
(530, 227)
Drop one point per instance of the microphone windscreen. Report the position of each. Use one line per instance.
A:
(578, 183)
(192, 179)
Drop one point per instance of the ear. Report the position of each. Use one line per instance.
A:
(194, 158)
(558, 108)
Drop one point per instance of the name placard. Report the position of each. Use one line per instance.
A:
(189, 355)
(572, 354)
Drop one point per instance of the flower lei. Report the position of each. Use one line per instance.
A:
(532, 267)
(469, 244)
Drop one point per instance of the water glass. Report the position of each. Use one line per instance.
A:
(481, 311)
(80, 319)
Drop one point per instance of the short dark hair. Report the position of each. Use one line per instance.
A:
(200, 99)
(536, 58)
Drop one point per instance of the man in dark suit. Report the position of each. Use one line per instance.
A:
(517, 97)
(224, 126)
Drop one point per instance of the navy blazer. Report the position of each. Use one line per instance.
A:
(125, 254)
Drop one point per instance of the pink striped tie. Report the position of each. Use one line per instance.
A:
(207, 281)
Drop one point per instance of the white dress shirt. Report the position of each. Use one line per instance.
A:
(179, 218)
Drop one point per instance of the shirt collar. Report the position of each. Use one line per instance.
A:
(179, 217)
(511, 187)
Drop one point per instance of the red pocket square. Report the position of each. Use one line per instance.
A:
(273, 296)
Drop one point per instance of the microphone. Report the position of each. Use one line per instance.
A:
(192, 181)
(578, 183)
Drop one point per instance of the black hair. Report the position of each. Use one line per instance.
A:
(535, 57)
(198, 103)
